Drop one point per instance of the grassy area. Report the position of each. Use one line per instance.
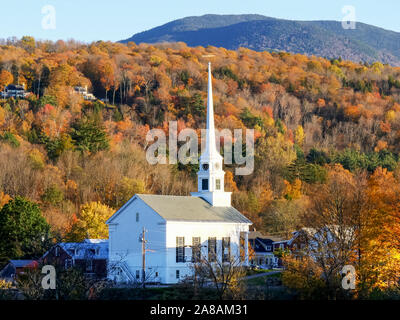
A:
(262, 281)
(251, 272)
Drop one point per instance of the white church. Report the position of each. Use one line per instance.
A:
(179, 229)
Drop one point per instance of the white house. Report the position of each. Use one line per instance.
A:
(178, 229)
(84, 92)
(14, 91)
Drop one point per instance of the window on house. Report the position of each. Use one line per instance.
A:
(212, 249)
(137, 274)
(156, 274)
(68, 263)
(226, 249)
(196, 249)
(218, 184)
(177, 274)
(57, 252)
(89, 265)
(137, 216)
(204, 184)
(180, 249)
(268, 248)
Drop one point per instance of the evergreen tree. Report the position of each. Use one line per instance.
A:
(23, 230)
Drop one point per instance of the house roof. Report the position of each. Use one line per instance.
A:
(15, 87)
(86, 249)
(23, 263)
(326, 233)
(188, 208)
(260, 246)
(259, 235)
(89, 248)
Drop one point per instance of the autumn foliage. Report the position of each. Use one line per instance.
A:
(325, 131)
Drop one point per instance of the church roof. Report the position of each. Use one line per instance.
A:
(189, 208)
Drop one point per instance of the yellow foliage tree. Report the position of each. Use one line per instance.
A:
(379, 253)
(230, 184)
(293, 190)
(5, 79)
(4, 198)
(302, 275)
(2, 116)
(90, 222)
(299, 135)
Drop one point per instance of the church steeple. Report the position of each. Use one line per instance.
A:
(211, 148)
(210, 174)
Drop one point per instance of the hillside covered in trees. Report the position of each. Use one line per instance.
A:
(323, 128)
(257, 32)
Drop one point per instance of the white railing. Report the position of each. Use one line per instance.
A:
(127, 272)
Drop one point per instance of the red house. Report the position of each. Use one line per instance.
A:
(90, 256)
(16, 267)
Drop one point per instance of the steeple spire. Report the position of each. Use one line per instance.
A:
(210, 174)
(210, 151)
(210, 137)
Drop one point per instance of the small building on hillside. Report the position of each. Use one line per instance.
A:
(90, 256)
(14, 91)
(84, 92)
(16, 267)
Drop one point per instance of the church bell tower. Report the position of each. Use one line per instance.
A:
(210, 177)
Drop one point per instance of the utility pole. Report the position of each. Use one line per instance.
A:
(143, 239)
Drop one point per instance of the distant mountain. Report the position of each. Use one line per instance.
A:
(322, 38)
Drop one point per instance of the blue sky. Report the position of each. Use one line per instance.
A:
(89, 20)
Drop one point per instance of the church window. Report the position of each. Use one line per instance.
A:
(180, 249)
(137, 274)
(177, 274)
(204, 184)
(218, 184)
(205, 166)
(212, 249)
(196, 249)
(226, 249)
(137, 216)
